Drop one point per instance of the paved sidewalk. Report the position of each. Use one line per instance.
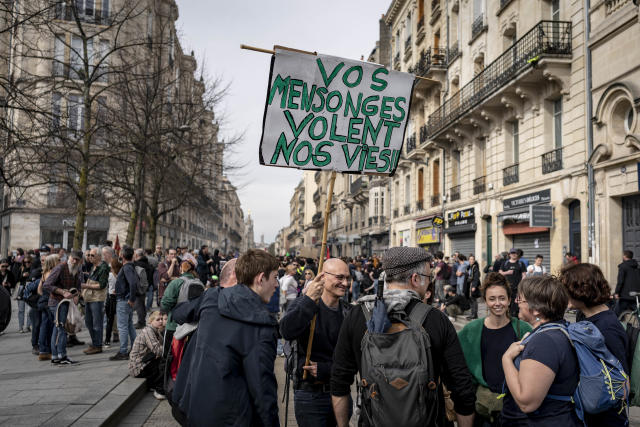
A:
(37, 392)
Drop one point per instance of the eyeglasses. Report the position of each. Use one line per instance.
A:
(340, 277)
(307, 274)
(519, 300)
(90, 255)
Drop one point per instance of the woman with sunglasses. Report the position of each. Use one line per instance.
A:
(548, 363)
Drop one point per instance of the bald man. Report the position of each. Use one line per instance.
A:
(323, 297)
(228, 274)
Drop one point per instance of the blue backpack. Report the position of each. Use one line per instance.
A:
(603, 383)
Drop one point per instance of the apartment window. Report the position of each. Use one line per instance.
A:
(397, 193)
(420, 11)
(557, 123)
(408, 28)
(555, 10)
(77, 57)
(515, 142)
(58, 55)
(407, 190)
(56, 110)
(171, 48)
(76, 113)
(375, 204)
(102, 60)
(477, 8)
(628, 122)
(456, 167)
(149, 28)
(398, 41)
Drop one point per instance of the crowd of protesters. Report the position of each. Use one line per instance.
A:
(210, 346)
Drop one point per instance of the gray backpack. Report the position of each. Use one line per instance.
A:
(190, 289)
(143, 283)
(398, 379)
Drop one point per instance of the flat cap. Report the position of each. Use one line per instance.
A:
(77, 255)
(400, 259)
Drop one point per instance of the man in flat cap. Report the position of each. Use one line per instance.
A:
(408, 278)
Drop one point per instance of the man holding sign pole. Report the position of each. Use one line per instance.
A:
(324, 299)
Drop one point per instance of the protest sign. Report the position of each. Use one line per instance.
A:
(328, 113)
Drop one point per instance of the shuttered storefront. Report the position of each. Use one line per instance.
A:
(533, 244)
(631, 224)
(465, 243)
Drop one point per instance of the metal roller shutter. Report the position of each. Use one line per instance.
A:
(527, 242)
(465, 243)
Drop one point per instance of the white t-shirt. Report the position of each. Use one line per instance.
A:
(534, 270)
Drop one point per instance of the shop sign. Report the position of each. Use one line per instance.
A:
(541, 216)
(428, 235)
(461, 217)
(437, 220)
(543, 196)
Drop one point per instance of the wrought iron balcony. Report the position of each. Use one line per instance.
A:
(435, 200)
(547, 38)
(396, 60)
(430, 58)
(454, 52)
(477, 26)
(411, 143)
(407, 45)
(316, 217)
(552, 161)
(423, 134)
(510, 175)
(420, 205)
(435, 10)
(407, 209)
(316, 195)
(454, 192)
(396, 212)
(479, 185)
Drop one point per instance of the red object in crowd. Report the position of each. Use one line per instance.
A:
(116, 245)
(177, 350)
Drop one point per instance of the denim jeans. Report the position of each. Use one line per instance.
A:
(22, 306)
(59, 335)
(94, 320)
(150, 297)
(313, 409)
(34, 316)
(46, 330)
(124, 313)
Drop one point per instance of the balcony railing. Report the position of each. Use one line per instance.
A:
(420, 205)
(547, 38)
(454, 52)
(316, 217)
(455, 193)
(435, 200)
(396, 59)
(477, 26)
(435, 10)
(423, 134)
(552, 161)
(407, 45)
(411, 143)
(436, 57)
(396, 213)
(510, 175)
(479, 185)
(407, 209)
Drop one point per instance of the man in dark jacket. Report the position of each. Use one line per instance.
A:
(204, 264)
(227, 373)
(628, 280)
(141, 260)
(324, 299)
(126, 287)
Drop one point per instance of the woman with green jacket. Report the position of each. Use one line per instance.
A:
(484, 341)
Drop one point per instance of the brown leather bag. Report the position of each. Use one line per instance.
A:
(94, 295)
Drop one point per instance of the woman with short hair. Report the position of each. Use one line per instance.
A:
(484, 341)
(548, 364)
(589, 292)
(146, 354)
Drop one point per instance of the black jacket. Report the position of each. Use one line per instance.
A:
(448, 359)
(295, 326)
(148, 269)
(226, 377)
(473, 281)
(628, 279)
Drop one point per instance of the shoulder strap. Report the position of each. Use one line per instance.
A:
(419, 313)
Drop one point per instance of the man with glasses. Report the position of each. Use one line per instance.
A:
(324, 298)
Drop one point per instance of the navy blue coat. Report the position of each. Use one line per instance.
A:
(227, 377)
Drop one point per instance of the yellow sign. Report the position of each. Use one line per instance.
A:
(428, 235)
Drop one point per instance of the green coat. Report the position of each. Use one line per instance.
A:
(170, 299)
(470, 337)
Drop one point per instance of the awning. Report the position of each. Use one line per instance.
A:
(461, 228)
(515, 215)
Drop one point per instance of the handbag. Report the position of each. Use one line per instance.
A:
(94, 295)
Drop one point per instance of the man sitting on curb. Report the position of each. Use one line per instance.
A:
(454, 305)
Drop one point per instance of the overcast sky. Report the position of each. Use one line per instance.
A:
(215, 30)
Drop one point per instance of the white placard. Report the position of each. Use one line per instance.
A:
(328, 113)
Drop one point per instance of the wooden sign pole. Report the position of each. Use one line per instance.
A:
(323, 248)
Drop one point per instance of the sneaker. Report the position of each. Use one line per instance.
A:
(119, 356)
(158, 395)
(66, 361)
(45, 356)
(55, 361)
(106, 344)
(22, 331)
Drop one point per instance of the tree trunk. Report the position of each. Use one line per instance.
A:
(83, 181)
(151, 235)
(131, 229)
